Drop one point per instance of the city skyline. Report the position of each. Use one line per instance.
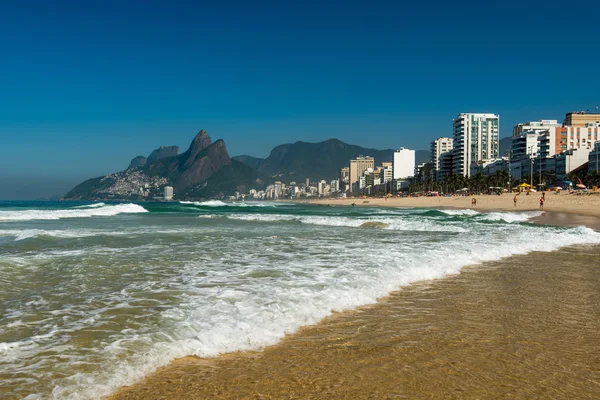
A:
(87, 87)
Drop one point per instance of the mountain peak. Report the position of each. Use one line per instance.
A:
(201, 141)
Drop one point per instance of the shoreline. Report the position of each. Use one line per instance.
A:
(510, 328)
(583, 204)
(274, 371)
(559, 210)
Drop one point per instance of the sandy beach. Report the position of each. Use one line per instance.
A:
(522, 327)
(582, 204)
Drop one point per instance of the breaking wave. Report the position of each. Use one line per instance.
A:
(95, 211)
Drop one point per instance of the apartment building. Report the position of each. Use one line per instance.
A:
(476, 139)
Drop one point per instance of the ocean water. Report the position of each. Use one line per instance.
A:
(94, 296)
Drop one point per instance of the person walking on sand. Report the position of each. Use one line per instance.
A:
(473, 201)
(542, 202)
(515, 200)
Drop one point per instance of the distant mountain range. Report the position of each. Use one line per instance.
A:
(316, 161)
(205, 169)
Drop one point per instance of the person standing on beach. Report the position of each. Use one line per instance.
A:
(515, 200)
(473, 201)
(542, 202)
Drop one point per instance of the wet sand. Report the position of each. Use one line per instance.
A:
(525, 327)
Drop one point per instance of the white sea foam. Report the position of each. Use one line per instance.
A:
(511, 217)
(95, 205)
(209, 203)
(28, 215)
(235, 291)
(215, 320)
(398, 223)
(219, 203)
(23, 234)
(449, 211)
(261, 217)
(508, 217)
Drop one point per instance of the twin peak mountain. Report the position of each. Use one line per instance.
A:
(205, 170)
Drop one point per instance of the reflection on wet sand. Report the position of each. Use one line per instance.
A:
(525, 327)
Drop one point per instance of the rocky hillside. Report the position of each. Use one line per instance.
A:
(301, 160)
(205, 170)
(161, 152)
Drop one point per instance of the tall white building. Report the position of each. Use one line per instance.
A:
(475, 141)
(277, 190)
(404, 163)
(439, 147)
(321, 187)
(168, 194)
(356, 170)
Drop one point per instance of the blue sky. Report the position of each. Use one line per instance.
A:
(86, 86)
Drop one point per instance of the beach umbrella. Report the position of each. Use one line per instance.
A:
(580, 185)
(524, 185)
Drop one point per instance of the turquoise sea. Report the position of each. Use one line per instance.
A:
(94, 296)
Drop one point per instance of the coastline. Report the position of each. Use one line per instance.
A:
(512, 328)
(401, 337)
(583, 204)
(559, 209)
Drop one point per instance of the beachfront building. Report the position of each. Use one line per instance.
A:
(539, 126)
(344, 178)
(334, 186)
(371, 179)
(582, 118)
(277, 190)
(321, 187)
(594, 159)
(475, 140)
(356, 170)
(564, 138)
(570, 160)
(525, 145)
(445, 166)
(523, 149)
(490, 167)
(440, 147)
(386, 172)
(571, 137)
(425, 173)
(168, 193)
(404, 164)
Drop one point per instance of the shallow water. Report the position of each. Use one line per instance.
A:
(95, 296)
(525, 327)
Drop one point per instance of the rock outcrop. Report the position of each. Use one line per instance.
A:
(201, 160)
(163, 152)
(137, 162)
